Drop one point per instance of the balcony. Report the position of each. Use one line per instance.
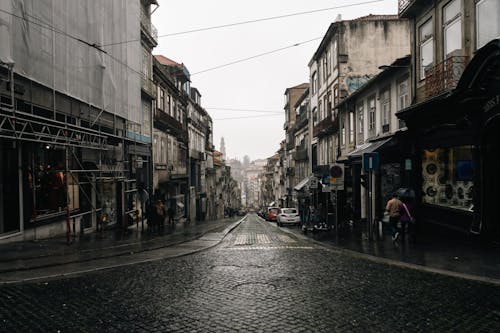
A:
(165, 122)
(148, 26)
(147, 85)
(325, 127)
(300, 154)
(444, 76)
(178, 170)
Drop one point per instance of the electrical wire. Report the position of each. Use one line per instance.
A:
(243, 110)
(248, 22)
(255, 56)
(247, 117)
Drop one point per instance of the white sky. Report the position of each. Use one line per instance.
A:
(257, 84)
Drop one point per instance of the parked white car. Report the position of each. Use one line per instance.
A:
(288, 216)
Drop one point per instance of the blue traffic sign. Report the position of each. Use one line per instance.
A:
(370, 162)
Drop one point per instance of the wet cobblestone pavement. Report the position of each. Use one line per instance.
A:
(259, 279)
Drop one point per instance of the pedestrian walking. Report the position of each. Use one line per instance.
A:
(160, 214)
(170, 214)
(393, 207)
(407, 219)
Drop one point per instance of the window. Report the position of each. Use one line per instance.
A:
(403, 98)
(315, 116)
(328, 62)
(371, 115)
(146, 118)
(160, 99)
(325, 67)
(426, 47)
(168, 108)
(320, 72)
(320, 110)
(351, 127)
(361, 116)
(449, 177)
(487, 21)
(329, 104)
(163, 151)
(385, 103)
(452, 27)
(342, 129)
(334, 54)
(314, 83)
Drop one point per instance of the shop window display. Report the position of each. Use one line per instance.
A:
(448, 177)
(45, 190)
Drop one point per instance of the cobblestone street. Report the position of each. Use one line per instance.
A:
(259, 279)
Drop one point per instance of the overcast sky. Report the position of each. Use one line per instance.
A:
(256, 84)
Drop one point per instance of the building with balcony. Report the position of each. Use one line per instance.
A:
(453, 123)
(292, 95)
(170, 136)
(349, 55)
(368, 125)
(75, 116)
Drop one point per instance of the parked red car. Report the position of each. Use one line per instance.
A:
(272, 213)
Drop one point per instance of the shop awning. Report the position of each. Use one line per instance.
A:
(301, 184)
(368, 147)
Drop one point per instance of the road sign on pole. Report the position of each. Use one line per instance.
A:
(337, 176)
(371, 162)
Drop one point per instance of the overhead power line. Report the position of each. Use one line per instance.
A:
(246, 117)
(250, 21)
(244, 110)
(255, 56)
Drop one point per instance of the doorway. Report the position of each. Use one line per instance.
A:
(9, 189)
(491, 181)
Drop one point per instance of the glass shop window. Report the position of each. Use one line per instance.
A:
(45, 190)
(448, 177)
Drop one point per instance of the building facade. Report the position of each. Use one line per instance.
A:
(76, 123)
(453, 123)
(348, 56)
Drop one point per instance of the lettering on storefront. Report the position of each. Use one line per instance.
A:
(492, 103)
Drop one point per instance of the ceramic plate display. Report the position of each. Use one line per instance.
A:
(431, 168)
(431, 191)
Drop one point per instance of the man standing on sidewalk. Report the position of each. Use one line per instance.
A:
(393, 207)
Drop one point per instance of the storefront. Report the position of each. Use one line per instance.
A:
(456, 137)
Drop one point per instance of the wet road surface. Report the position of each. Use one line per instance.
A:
(258, 279)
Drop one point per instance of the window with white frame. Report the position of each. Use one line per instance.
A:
(452, 26)
(163, 151)
(325, 67)
(487, 21)
(371, 115)
(156, 148)
(426, 47)
(334, 54)
(361, 117)
(314, 83)
(160, 99)
(320, 72)
(385, 104)
(329, 104)
(167, 103)
(328, 62)
(342, 129)
(403, 98)
(351, 127)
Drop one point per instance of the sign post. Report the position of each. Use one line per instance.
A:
(337, 181)
(370, 165)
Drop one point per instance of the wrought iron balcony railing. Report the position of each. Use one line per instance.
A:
(403, 4)
(444, 76)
